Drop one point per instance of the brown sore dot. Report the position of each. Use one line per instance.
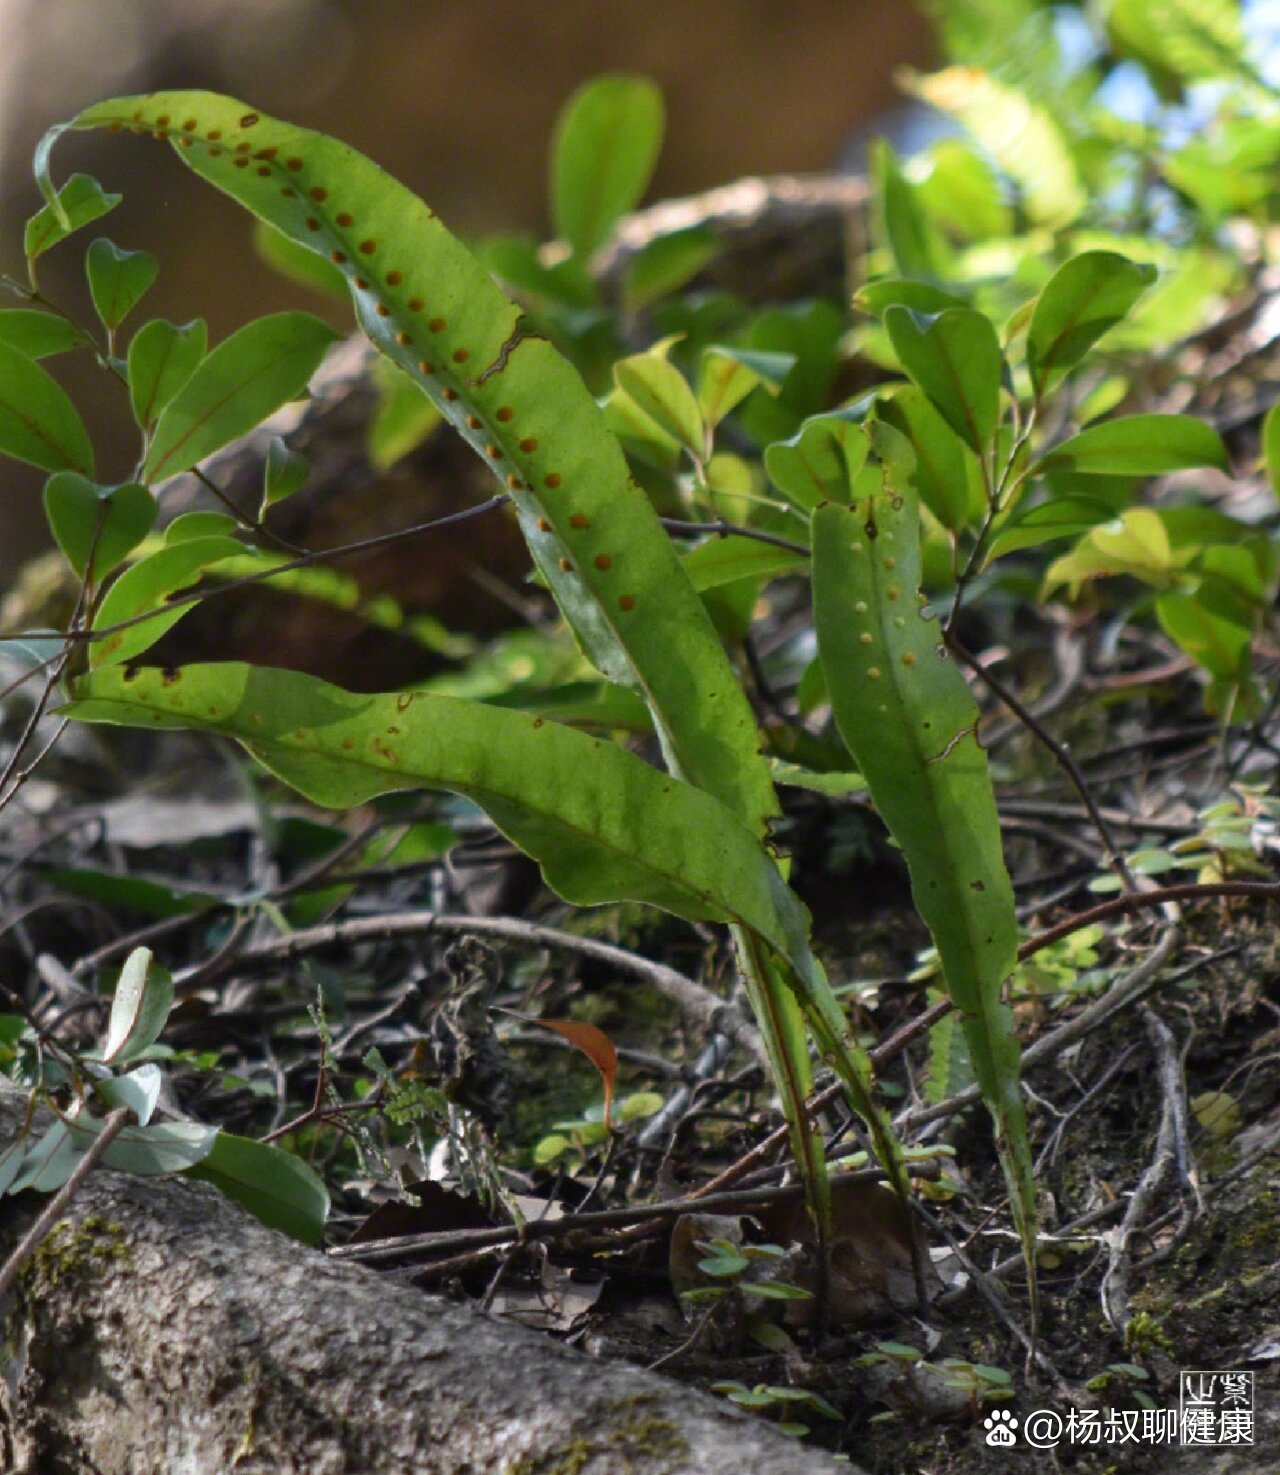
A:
(566, 566)
(267, 153)
(339, 258)
(493, 453)
(241, 163)
(367, 248)
(213, 135)
(215, 153)
(437, 325)
(360, 283)
(348, 743)
(461, 355)
(319, 195)
(310, 222)
(529, 444)
(249, 120)
(383, 310)
(603, 561)
(425, 368)
(186, 142)
(162, 121)
(553, 481)
(451, 394)
(287, 192)
(293, 164)
(515, 483)
(415, 304)
(627, 602)
(579, 520)
(404, 339)
(473, 422)
(394, 278)
(343, 219)
(191, 125)
(543, 525)
(119, 128)
(505, 413)
(243, 148)
(264, 170)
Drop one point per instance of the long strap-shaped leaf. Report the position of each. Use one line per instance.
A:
(604, 825)
(911, 724)
(429, 305)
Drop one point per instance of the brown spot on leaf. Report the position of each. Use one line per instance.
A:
(191, 125)
(627, 602)
(566, 565)
(394, 278)
(529, 444)
(287, 192)
(264, 170)
(415, 304)
(437, 325)
(450, 394)
(543, 525)
(367, 248)
(343, 219)
(249, 120)
(461, 355)
(553, 481)
(425, 368)
(579, 520)
(311, 223)
(319, 194)
(293, 165)
(213, 135)
(404, 339)
(339, 258)
(162, 121)
(383, 310)
(603, 561)
(494, 453)
(515, 483)
(505, 413)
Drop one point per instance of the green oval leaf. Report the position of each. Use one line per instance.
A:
(246, 378)
(139, 1007)
(955, 358)
(285, 471)
(98, 523)
(661, 391)
(904, 225)
(38, 334)
(819, 463)
(1083, 299)
(946, 474)
(275, 1186)
(606, 144)
(727, 375)
(162, 358)
(145, 586)
(117, 279)
(81, 201)
(1138, 445)
(38, 422)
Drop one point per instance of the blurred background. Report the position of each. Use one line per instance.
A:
(457, 98)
